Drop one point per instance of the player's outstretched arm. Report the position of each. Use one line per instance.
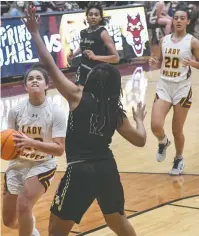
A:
(68, 89)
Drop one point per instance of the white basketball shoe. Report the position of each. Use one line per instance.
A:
(161, 153)
(35, 232)
(178, 167)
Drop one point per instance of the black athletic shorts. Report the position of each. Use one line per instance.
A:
(81, 75)
(84, 182)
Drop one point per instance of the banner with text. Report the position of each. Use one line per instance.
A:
(60, 33)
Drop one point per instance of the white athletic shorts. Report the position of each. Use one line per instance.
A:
(175, 93)
(15, 178)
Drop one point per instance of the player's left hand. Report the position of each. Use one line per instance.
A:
(186, 62)
(90, 54)
(22, 141)
(30, 20)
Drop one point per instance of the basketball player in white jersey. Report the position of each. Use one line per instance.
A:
(178, 53)
(43, 130)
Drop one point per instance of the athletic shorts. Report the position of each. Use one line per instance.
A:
(84, 182)
(15, 178)
(81, 74)
(175, 93)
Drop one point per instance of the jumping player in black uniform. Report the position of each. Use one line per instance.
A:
(95, 114)
(96, 45)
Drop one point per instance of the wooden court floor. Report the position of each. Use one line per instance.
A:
(155, 203)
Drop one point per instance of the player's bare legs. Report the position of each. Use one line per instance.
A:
(159, 112)
(119, 224)
(9, 214)
(33, 190)
(179, 117)
(59, 227)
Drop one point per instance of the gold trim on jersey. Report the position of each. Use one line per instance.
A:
(156, 97)
(5, 187)
(186, 102)
(45, 178)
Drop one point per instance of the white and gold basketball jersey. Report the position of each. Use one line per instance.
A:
(41, 123)
(172, 68)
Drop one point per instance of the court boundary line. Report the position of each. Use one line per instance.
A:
(140, 213)
(132, 172)
(195, 208)
(131, 210)
(137, 172)
(74, 232)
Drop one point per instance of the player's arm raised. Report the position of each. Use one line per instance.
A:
(68, 89)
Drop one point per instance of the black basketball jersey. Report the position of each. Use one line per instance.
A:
(92, 41)
(86, 137)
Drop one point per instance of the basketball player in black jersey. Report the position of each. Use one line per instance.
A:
(95, 114)
(96, 45)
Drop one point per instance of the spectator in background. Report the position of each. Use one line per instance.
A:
(163, 17)
(5, 6)
(193, 27)
(71, 6)
(196, 19)
(17, 9)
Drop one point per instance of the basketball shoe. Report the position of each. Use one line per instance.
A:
(178, 167)
(161, 153)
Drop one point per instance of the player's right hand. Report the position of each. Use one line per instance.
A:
(140, 113)
(153, 62)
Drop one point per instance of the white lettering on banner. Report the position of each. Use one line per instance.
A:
(75, 40)
(3, 36)
(10, 37)
(1, 57)
(73, 37)
(115, 31)
(22, 56)
(54, 43)
(16, 44)
(16, 35)
(21, 33)
(28, 49)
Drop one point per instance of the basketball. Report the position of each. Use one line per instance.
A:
(8, 149)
